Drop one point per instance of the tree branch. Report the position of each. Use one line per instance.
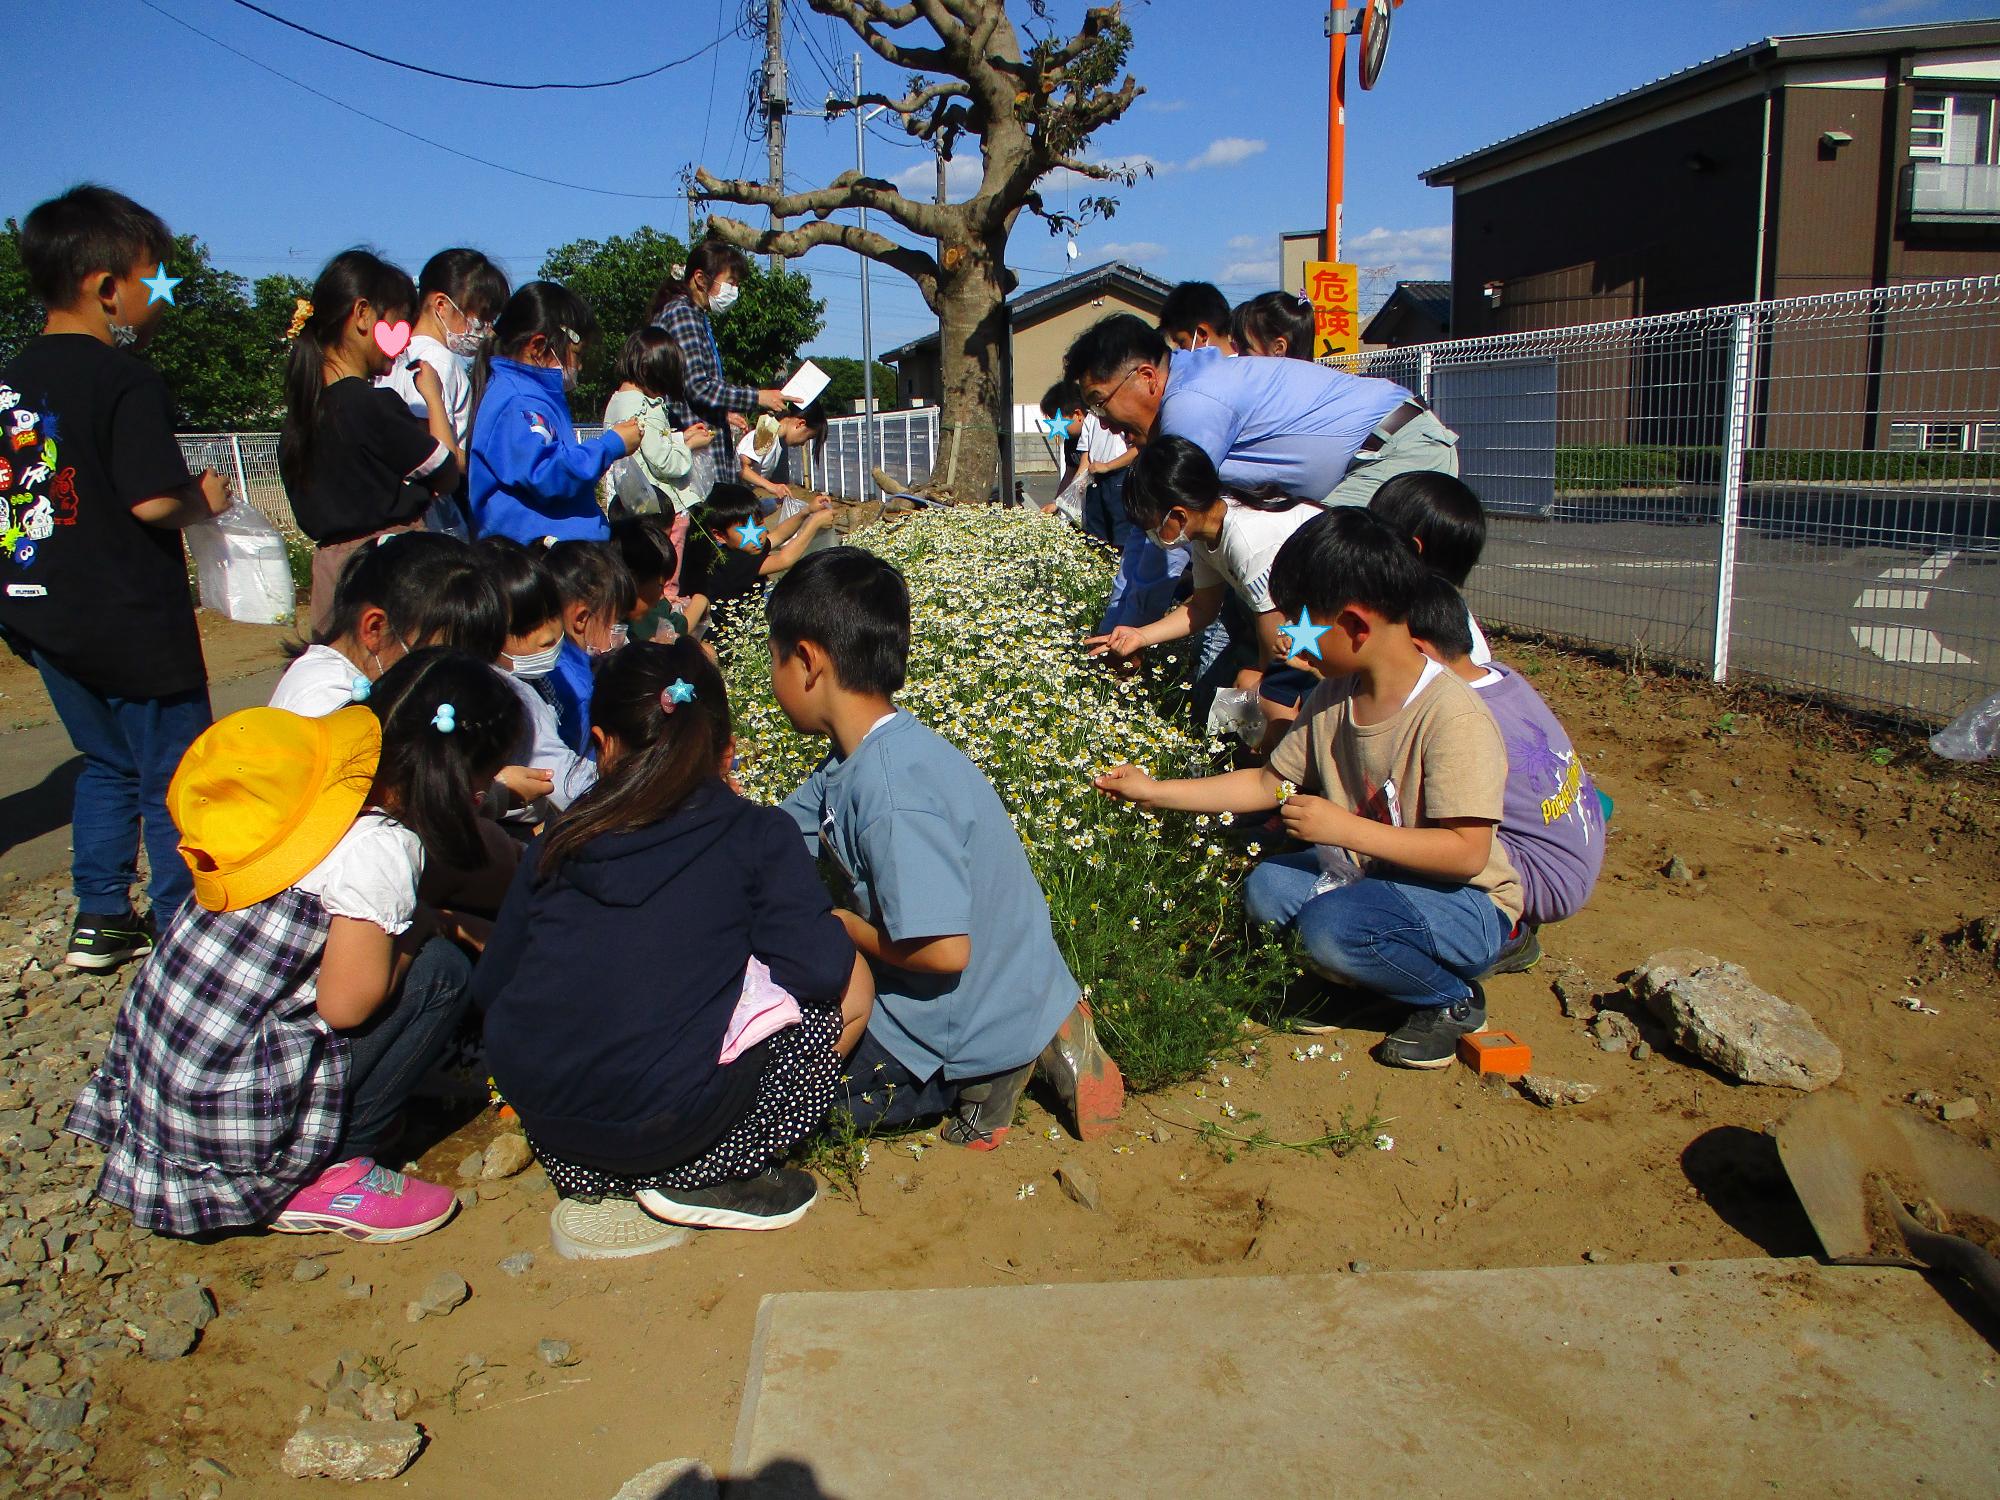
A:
(911, 104)
(857, 14)
(915, 264)
(845, 191)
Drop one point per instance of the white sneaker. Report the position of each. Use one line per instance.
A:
(615, 1229)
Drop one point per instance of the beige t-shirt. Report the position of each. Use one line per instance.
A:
(1439, 756)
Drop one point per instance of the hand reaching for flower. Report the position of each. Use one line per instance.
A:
(1126, 783)
(1313, 820)
(1122, 642)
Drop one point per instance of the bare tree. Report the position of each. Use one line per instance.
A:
(1032, 112)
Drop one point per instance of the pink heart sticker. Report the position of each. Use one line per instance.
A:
(392, 338)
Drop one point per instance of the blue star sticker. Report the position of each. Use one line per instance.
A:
(679, 692)
(1057, 427)
(751, 534)
(1303, 636)
(160, 287)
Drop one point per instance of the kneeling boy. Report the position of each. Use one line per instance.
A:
(971, 990)
(1403, 774)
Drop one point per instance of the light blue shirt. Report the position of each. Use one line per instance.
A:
(926, 849)
(1287, 422)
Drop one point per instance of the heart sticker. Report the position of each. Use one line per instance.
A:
(392, 338)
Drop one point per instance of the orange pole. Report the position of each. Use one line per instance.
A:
(1336, 129)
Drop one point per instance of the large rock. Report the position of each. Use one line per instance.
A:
(343, 1448)
(1715, 1012)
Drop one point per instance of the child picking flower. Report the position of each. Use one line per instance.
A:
(262, 1055)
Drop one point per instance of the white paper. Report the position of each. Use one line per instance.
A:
(807, 381)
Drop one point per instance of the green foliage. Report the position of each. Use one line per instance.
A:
(1144, 905)
(844, 383)
(774, 318)
(1640, 466)
(221, 346)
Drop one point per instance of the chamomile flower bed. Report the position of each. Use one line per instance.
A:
(1144, 906)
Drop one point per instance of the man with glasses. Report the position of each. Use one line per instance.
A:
(1312, 432)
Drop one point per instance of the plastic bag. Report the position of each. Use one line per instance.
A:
(1069, 502)
(1973, 735)
(1235, 711)
(632, 489)
(242, 567)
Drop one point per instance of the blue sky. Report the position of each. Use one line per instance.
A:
(276, 179)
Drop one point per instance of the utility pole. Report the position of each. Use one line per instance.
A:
(774, 105)
(1336, 125)
(867, 326)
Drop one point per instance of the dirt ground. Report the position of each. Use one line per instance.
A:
(1830, 877)
(232, 651)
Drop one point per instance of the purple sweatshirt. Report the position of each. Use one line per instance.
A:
(1551, 825)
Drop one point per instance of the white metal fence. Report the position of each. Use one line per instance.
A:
(1804, 492)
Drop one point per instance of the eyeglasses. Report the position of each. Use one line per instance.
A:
(1097, 406)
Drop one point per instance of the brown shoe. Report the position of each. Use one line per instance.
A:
(1083, 1075)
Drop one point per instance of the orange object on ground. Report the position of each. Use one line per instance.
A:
(1495, 1052)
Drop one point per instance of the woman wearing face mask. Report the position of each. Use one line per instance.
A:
(528, 475)
(459, 294)
(547, 775)
(707, 286)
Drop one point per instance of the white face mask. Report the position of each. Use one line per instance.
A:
(723, 297)
(535, 664)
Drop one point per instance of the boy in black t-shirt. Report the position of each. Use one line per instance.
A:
(93, 577)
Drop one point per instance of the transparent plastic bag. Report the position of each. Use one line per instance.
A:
(1973, 735)
(1235, 711)
(242, 567)
(1069, 502)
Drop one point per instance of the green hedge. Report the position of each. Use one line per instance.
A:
(1639, 466)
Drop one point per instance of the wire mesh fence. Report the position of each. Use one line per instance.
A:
(1800, 491)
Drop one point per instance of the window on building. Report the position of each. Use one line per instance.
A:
(1958, 129)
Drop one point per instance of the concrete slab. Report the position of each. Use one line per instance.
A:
(1730, 1378)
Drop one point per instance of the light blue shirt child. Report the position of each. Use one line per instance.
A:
(927, 850)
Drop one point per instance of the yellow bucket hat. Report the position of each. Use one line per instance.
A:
(264, 795)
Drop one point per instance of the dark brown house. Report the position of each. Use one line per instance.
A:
(1795, 166)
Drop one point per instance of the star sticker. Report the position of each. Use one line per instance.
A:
(750, 533)
(160, 287)
(1303, 636)
(1057, 427)
(680, 692)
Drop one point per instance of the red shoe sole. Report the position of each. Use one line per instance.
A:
(1100, 1100)
(991, 1142)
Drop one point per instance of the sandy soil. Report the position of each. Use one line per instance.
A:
(1829, 877)
(232, 651)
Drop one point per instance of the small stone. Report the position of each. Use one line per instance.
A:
(342, 1448)
(491, 1188)
(1552, 1093)
(378, 1403)
(194, 1305)
(520, 1263)
(40, 1368)
(360, 1289)
(1676, 869)
(467, 1198)
(440, 1295)
(57, 1414)
(676, 1479)
(556, 1353)
(164, 1339)
(1615, 1031)
(1595, 1257)
(308, 1269)
(1360, 1267)
(1160, 1136)
(1079, 1184)
(506, 1154)
(470, 1168)
(1926, 1099)
(1641, 1052)
(1958, 1109)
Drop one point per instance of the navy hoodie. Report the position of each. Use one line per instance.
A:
(607, 987)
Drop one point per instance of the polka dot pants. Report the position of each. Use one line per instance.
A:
(792, 1101)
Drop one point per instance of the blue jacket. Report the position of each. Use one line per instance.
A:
(570, 685)
(528, 477)
(608, 986)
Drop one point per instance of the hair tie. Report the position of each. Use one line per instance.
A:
(548, 542)
(571, 334)
(678, 270)
(1304, 300)
(360, 688)
(445, 720)
(302, 311)
(674, 694)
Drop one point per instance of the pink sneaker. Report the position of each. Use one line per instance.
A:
(366, 1201)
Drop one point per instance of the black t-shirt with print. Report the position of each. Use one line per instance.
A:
(368, 454)
(86, 433)
(720, 574)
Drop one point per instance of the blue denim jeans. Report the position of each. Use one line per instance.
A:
(389, 1054)
(1104, 506)
(1416, 941)
(131, 748)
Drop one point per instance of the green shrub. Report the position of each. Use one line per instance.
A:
(1144, 906)
(1640, 466)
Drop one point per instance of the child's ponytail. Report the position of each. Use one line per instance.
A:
(666, 708)
(548, 308)
(350, 277)
(709, 258)
(449, 722)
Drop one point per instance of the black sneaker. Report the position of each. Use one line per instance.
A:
(1429, 1038)
(984, 1112)
(1522, 953)
(772, 1199)
(99, 943)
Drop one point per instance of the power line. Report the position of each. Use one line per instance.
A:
(484, 83)
(400, 130)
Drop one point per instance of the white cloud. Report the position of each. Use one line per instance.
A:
(1228, 151)
(1164, 106)
(961, 178)
(1246, 242)
(1414, 254)
(1259, 273)
(1883, 10)
(1135, 250)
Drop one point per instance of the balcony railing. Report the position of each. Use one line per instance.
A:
(1936, 192)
